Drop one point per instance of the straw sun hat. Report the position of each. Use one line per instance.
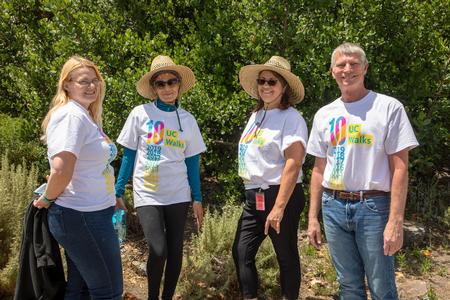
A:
(164, 63)
(277, 64)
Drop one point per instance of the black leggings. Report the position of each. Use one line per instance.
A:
(250, 235)
(163, 227)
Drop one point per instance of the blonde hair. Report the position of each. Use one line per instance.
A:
(349, 48)
(61, 98)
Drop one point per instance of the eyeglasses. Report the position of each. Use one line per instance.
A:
(86, 83)
(159, 84)
(270, 82)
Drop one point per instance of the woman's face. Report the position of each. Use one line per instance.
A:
(270, 89)
(83, 86)
(167, 86)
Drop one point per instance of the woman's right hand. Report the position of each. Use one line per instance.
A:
(198, 214)
(40, 203)
(120, 204)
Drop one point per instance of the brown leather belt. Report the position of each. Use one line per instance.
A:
(355, 196)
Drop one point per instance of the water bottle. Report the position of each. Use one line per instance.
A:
(119, 223)
(39, 191)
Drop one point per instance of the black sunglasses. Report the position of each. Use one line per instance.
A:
(270, 82)
(161, 83)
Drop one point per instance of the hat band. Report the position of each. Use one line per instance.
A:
(277, 64)
(162, 65)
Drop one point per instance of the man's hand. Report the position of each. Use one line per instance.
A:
(314, 235)
(393, 232)
(393, 237)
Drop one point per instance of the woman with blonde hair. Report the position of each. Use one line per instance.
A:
(80, 190)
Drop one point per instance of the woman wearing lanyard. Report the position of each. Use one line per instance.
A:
(271, 153)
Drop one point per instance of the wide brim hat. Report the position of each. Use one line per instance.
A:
(249, 74)
(164, 63)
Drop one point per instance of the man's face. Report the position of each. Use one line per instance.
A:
(349, 71)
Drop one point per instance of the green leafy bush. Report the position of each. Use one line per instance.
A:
(19, 143)
(16, 187)
(406, 42)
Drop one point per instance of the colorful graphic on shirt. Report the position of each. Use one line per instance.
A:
(254, 135)
(157, 137)
(172, 139)
(242, 170)
(336, 180)
(338, 131)
(155, 132)
(338, 136)
(151, 177)
(108, 172)
(356, 137)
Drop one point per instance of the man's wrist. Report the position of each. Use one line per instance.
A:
(397, 220)
(313, 219)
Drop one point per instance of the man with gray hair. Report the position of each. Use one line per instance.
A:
(360, 178)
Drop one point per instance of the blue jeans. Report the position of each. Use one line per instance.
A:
(354, 231)
(92, 252)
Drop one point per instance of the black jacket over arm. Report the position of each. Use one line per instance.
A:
(41, 274)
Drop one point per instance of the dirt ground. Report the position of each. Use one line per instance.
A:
(434, 285)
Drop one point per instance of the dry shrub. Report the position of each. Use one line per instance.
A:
(16, 186)
(208, 267)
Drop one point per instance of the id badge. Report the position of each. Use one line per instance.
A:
(260, 203)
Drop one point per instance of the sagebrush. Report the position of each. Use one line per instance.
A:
(16, 186)
(208, 267)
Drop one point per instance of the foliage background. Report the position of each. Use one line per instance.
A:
(406, 42)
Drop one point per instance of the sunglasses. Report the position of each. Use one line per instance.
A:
(159, 84)
(270, 82)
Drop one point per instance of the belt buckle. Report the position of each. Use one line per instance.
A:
(352, 196)
(345, 195)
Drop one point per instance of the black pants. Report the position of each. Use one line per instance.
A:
(250, 235)
(163, 227)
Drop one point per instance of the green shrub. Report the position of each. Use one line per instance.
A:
(408, 55)
(209, 271)
(429, 199)
(16, 187)
(20, 143)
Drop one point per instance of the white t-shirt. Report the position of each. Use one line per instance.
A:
(92, 185)
(261, 147)
(357, 139)
(160, 173)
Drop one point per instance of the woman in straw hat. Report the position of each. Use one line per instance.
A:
(167, 142)
(80, 190)
(271, 153)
